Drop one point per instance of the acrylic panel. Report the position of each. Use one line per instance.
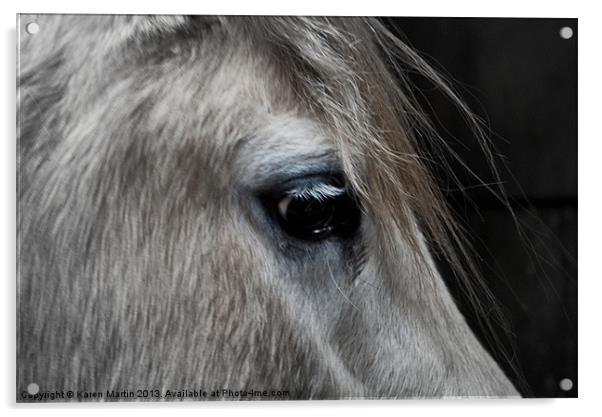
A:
(277, 208)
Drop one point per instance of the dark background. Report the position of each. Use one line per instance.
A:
(520, 77)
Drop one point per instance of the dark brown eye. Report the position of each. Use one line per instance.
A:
(318, 212)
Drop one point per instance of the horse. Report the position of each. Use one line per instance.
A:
(230, 206)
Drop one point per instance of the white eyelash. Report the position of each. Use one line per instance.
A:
(318, 192)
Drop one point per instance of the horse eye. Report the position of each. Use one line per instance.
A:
(317, 217)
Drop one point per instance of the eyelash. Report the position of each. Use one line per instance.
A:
(317, 191)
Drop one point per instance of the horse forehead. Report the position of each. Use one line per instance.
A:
(239, 117)
(253, 118)
(245, 134)
(284, 144)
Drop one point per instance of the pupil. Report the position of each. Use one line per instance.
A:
(310, 214)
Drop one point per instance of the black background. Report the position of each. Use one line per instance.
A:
(520, 76)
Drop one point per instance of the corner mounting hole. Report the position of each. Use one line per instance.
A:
(32, 28)
(33, 388)
(566, 384)
(566, 32)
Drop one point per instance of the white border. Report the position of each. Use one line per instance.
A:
(590, 210)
